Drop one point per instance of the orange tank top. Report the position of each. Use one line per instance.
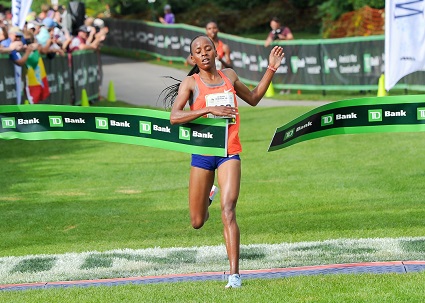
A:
(219, 49)
(233, 143)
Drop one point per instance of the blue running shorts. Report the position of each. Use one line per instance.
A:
(211, 162)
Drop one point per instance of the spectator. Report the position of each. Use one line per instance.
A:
(3, 33)
(3, 36)
(77, 12)
(57, 15)
(88, 22)
(168, 16)
(2, 19)
(16, 47)
(50, 38)
(86, 39)
(28, 34)
(46, 12)
(31, 16)
(14, 34)
(43, 34)
(34, 26)
(66, 20)
(223, 51)
(98, 24)
(278, 32)
(8, 15)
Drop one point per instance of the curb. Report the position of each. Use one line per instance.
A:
(349, 268)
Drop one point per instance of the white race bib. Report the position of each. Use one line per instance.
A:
(221, 99)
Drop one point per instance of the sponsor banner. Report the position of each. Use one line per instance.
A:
(354, 63)
(63, 79)
(59, 79)
(85, 75)
(366, 115)
(123, 125)
(8, 93)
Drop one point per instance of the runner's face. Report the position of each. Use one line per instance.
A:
(203, 52)
(212, 30)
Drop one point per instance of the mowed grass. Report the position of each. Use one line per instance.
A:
(67, 195)
(74, 196)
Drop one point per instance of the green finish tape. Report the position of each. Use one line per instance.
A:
(122, 125)
(365, 115)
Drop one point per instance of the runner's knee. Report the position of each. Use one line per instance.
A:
(197, 222)
(228, 212)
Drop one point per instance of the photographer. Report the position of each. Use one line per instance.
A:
(278, 32)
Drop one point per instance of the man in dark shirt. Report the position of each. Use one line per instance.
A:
(278, 32)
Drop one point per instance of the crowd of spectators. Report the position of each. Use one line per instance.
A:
(51, 32)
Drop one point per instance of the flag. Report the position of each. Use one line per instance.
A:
(20, 10)
(37, 86)
(404, 39)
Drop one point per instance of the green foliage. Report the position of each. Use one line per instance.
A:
(36, 5)
(130, 7)
(5, 3)
(357, 4)
(93, 7)
(301, 3)
(241, 5)
(332, 9)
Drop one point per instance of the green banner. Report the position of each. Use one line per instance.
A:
(123, 125)
(86, 71)
(365, 115)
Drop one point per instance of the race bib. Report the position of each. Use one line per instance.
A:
(221, 99)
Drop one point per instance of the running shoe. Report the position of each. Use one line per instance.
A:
(235, 281)
(213, 192)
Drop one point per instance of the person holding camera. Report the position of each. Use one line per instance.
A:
(278, 32)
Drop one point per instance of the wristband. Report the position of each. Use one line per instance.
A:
(271, 68)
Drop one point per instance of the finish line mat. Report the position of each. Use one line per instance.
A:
(114, 124)
(355, 116)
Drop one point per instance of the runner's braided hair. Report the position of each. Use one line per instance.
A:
(170, 92)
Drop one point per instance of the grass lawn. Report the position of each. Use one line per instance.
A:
(77, 195)
(93, 195)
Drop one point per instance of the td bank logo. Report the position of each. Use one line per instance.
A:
(288, 134)
(327, 120)
(55, 121)
(421, 113)
(8, 122)
(145, 127)
(294, 64)
(101, 123)
(375, 115)
(184, 133)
